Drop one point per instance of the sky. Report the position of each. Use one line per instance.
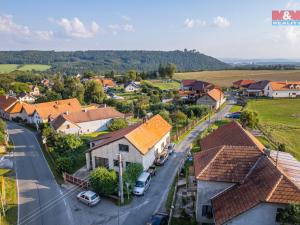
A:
(220, 28)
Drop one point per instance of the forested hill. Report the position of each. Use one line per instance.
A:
(118, 61)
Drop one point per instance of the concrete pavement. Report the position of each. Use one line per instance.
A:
(41, 201)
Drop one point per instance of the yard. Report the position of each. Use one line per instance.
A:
(11, 198)
(164, 84)
(280, 118)
(225, 78)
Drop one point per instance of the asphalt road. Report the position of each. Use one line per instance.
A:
(155, 198)
(41, 201)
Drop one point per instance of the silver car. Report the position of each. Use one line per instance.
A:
(89, 198)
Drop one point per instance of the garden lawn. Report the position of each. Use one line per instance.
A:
(235, 108)
(11, 198)
(281, 119)
(164, 84)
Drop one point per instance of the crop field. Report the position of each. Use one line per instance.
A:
(281, 119)
(225, 78)
(6, 68)
(164, 84)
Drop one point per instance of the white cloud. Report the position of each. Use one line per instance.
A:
(221, 22)
(190, 23)
(76, 28)
(8, 26)
(126, 18)
(116, 28)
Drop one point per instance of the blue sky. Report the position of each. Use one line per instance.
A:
(227, 28)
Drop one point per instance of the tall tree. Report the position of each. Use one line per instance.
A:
(73, 88)
(93, 92)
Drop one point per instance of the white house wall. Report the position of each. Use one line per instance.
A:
(263, 213)
(94, 126)
(268, 91)
(206, 190)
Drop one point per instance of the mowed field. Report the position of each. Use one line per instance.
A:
(6, 68)
(225, 78)
(280, 118)
(164, 84)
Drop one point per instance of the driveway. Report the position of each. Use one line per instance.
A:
(41, 201)
(141, 209)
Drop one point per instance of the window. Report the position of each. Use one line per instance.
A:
(103, 162)
(207, 211)
(116, 162)
(123, 148)
(278, 214)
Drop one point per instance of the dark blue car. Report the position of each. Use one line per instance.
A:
(159, 219)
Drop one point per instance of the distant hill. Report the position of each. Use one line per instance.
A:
(119, 61)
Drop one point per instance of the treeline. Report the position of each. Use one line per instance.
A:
(117, 61)
(266, 67)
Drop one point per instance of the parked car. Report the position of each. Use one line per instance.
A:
(142, 184)
(89, 198)
(171, 148)
(159, 219)
(233, 115)
(152, 170)
(162, 158)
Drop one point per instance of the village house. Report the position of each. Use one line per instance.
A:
(35, 91)
(6, 104)
(132, 86)
(24, 97)
(242, 84)
(106, 82)
(241, 182)
(256, 89)
(86, 121)
(282, 89)
(138, 143)
(213, 98)
(194, 89)
(47, 111)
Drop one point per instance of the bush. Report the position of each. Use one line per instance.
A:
(103, 181)
(132, 172)
(290, 215)
(118, 124)
(249, 119)
(64, 164)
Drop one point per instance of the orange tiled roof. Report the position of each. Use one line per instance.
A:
(265, 183)
(216, 94)
(142, 135)
(149, 133)
(282, 86)
(29, 109)
(230, 134)
(16, 108)
(106, 82)
(225, 163)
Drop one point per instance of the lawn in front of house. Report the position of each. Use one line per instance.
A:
(235, 108)
(11, 198)
(281, 119)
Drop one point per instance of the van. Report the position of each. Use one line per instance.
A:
(142, 184)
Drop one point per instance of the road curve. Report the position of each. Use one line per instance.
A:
(41, 201)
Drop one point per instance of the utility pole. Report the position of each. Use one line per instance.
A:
(121, 194)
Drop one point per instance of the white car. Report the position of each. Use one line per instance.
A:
(89, 198)
(142, 184)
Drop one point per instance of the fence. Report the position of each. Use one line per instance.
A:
(76, 181)
(188, 127)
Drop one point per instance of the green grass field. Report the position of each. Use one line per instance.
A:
(11, 198)
(224, 78)
(281, 119)
(164, 84)
(7, 68)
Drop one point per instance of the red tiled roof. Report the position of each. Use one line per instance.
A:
(265, 183)
(86, 116)
(6, 102)
(230, 134)
(282, 86)
(243, 83)
(225, 163)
